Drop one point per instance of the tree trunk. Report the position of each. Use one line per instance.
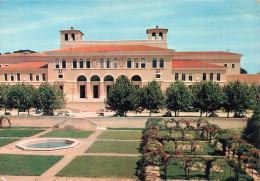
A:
(175, 113)
(5, 110)
(206, 114)
(150, 113)
(28, 112)
(18, 111)
(228, 114)
(200, 113)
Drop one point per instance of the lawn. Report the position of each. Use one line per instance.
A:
(130, 147)
(18, 133)
(68, 134)
(26, 165)
(7, 141)
(101, 167)
(121, 135)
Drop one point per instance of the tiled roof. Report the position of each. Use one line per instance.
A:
(24, 54)
(105, 48)
(27, 65)
(248, 78)
(206, 53)
(193, 64)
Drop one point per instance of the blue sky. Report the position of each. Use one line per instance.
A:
(194, 25)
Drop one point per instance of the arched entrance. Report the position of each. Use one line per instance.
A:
(137, 81)
(95, 84)
(108, 81)
(81, 85)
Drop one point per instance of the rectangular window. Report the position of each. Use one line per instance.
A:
(60, 76)
(57, 63)
(31, 77)
(176, 76)
(183, 77)
(63, 64)
(6, 77)
(129, 63)
(204, 76)
(108, 63)
(154, 65)
(74, 64)
(190, 77)
(12, 77)
(43, 77)
(143, 63)
(37, 78)
(157, 76)
(18, 77)
(161, 63)
(218, 76)
(211, 76)
(233, 65)
(88, 64)
(81, 64)
(225, 65)
(136, 63)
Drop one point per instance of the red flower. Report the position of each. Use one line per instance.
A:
(210, 129)
(180, 153)
(253, 152)
(146, 150)
(187, 172)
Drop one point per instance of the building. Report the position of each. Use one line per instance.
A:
(85, 70)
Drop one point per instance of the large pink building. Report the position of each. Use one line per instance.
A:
(85, 70)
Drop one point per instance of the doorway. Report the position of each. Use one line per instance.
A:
(82, 91)
(108, 88)
(95, 91)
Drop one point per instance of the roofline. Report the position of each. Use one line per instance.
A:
(72, 30)
(201, 68)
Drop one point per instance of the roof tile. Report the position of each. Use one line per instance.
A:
(193, 64)
(27, 65)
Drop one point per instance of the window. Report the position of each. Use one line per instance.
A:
(66, 37)
(115, 63)
(225, 65)
(218, 76)
(12, 77)
(129, 63)
(233, 65)
(6, 65)
(183, 76)
(190, 77)
(57, 63)
(108, 63)
(101, 63)
(154, 63)
(88, 63)
(204, 76)
(63, 64)
(72, 37)
(157, 76)
(160, 36)
(211, 76)
(161, 63)
(43, 77)
(61, 87)
(74, 63)
(60, 76)
(136, 63)
(143, 63)
(31, 77)
(81, 63)
(176, 76)
(153, 36)
(18, 77)
(37, 78)
(6, 77)
(0, 65)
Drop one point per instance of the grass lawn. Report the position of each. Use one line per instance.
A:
(121, 135)
(7, 141)
(177, 134)
(237, 132)
(68, 134)
(28, 165)
(131, 147)
(18, 133)
(175, 171)
(101, 167)
(24, 127)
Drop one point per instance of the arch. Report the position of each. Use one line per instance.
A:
(161, 36)
(66, 37)
(161, 63)
(153, 36)
(154, 63)
(95, 78)
(72, 37)
(136, 78)
(109, 78)
(122, 75)
(108, 63)
(1, 121)
(101, 63)
(82, 78)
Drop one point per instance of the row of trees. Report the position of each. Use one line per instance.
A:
(204, 96)
(24, 97)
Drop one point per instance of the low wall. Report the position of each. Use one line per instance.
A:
(139, 122)
(50, 121)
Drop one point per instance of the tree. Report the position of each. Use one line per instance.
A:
(49, 97)
(152, 97)
(178, 97)
(122, 96)
(237, 96)
(208, 96)
(243, 71)
(251, 133)
(255, 95)
(4, 97)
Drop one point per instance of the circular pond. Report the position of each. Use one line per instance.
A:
(47, 144)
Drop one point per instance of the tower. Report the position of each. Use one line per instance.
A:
(71, 35)
(157, 33)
